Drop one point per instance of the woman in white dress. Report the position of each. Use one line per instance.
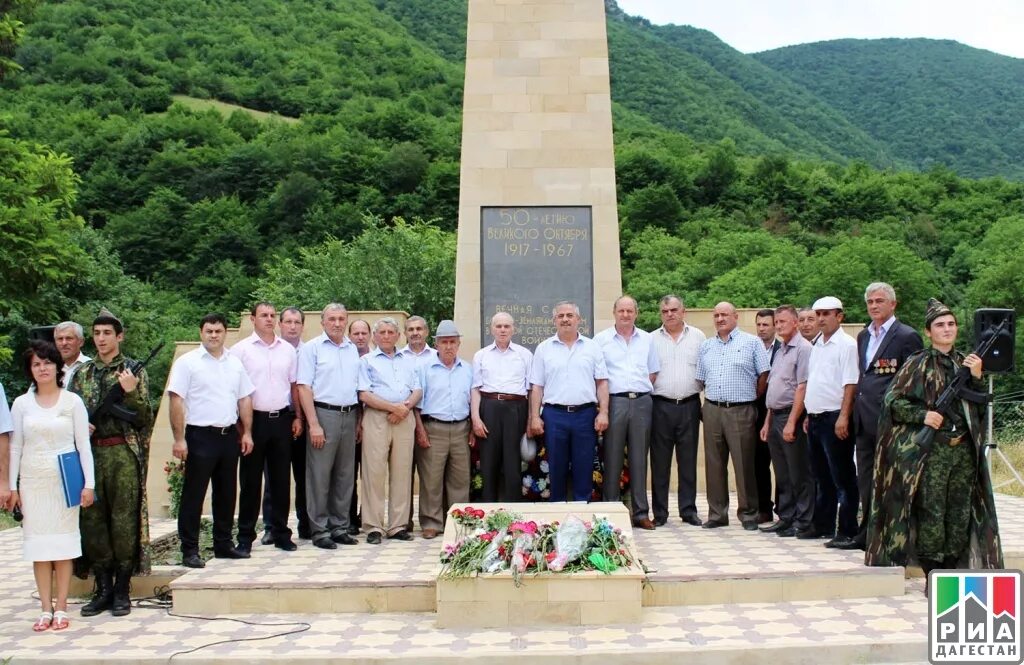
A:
(47, 421)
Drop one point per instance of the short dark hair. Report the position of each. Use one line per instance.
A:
(108, 321)
(262, 303)
(213, 317)
(302, 315)
(44, 351)
(765, 312)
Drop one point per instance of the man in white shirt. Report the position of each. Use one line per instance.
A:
(675, 416)
(501, 384)
(570, 380)
(211, 421)
(831, 387)
(69, 337)
(632, 363)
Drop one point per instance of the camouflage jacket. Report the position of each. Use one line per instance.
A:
(899, 465)
(92, 381)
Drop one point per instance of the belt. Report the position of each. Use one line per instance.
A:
(432, 419)
(785, 409)
(682, 400)
(727, 405)
(631, 395)
(503, 397)
(109, 441)
(333, 407)
(213, 429)
(822, 414)
(273, 414)
(571, 408)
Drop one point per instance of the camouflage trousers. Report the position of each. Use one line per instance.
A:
(943, 502)
(110, 527)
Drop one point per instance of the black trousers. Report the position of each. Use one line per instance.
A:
(298, 460)
(674, 428)
(794, 481)
(763, 467)
(271, 450)
(212, 457)
(353, 507)
(865, 453)
(501, 461)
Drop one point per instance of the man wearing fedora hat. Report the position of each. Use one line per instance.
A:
(443, 430)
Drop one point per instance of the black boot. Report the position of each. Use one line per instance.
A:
(951, 562)
(102, 596)
(928, 565)
(122, 600)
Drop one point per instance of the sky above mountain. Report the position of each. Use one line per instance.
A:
(751, 26)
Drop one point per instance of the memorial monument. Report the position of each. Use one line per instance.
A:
(537, 207)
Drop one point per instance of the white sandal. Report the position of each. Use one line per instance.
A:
(43, 622)
(60, 620)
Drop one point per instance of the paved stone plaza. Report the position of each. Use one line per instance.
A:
(877, 628)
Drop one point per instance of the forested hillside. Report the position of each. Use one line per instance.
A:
(929, 101)
(111, 193)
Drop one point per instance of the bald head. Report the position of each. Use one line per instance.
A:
(502, 328)
(726, 318)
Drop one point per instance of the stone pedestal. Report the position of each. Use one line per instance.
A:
(538, 168)
(568, 599)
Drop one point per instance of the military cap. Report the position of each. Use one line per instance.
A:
(934, 311)
(107, 314)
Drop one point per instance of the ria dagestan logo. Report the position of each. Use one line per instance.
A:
(974, 617)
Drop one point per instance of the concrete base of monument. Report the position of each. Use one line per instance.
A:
(568, 599)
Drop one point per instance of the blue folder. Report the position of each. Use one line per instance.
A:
(72, 477)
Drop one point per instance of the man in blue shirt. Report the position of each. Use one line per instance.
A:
(443, 431)
(570, 380)
(733, 366)
(389, 388)
(633, 365)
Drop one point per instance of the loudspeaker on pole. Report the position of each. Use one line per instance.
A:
(999, 359)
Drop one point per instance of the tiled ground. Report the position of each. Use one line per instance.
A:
(890, 629)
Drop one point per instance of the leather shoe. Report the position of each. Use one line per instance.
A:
(325, 544)
(713, 525)
(750, 526)
(645, 523)
(692, 520)
(245, 548)
(788, 532)
(809, 533)
(233, 553)
(373, 538)
(853, 544)
(344, 539)
(353, 530)
(777, 525)
(286, 544)
(267, 539)
(660, 521)
(841, 543)
(429, 534)
(401, 535)
(192, 561)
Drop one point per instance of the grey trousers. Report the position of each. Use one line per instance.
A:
(729, 432)
(793, 476)
(330, 474)
(629, 432)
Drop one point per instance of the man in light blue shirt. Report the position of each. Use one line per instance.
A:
(733, 368)
(633, 364)
(6, 427)
(570, 380)
(443, 431)
(389, 388)
(327, 381)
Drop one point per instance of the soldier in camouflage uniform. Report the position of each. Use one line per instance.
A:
(115, 532)
(936, 506)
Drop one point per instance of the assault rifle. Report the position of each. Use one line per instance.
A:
(957, 390)
(112, 403)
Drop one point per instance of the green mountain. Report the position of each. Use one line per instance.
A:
(930, 102)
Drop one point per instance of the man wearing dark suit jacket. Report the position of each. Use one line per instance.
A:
(882, 348)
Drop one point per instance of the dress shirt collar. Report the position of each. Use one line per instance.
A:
(223, 354)
(439, 363)
(373, 353)
(257, 340)
(557, 340)
(886, 327)
(408, 350)
(323, 337)
(732, 335)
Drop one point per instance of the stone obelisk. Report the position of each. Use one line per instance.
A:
(537, 208)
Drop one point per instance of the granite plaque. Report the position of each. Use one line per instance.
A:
(532, 258)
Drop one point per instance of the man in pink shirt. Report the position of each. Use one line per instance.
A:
(270, 363)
